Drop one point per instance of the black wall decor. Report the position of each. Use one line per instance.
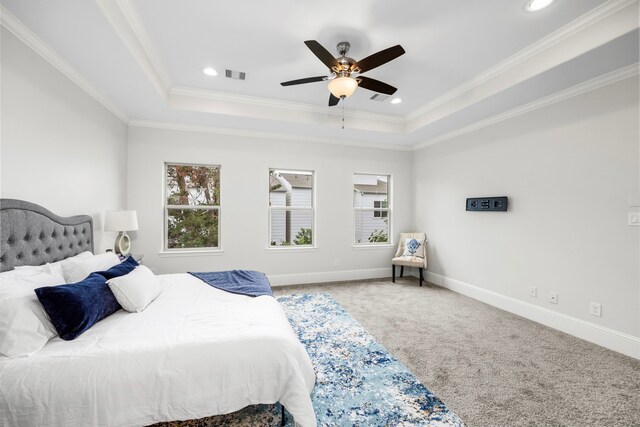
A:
(487, 203)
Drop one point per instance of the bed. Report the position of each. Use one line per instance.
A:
(195, 351)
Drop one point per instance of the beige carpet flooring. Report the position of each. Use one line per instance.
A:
(491, 367)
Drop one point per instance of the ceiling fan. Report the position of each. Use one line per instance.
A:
(346, 73)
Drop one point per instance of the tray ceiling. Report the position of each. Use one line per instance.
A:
(466, 63)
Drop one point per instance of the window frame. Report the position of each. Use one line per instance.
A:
(312, 209)
(382, 211)
(218, 208)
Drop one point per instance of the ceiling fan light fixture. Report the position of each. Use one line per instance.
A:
(343, 86)
(535, 5)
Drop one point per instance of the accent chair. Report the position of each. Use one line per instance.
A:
(412, 252)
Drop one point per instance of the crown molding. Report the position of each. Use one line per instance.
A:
(479, 87)
(579, 89)
(196, 100)
(130, 13)
(614, 16)
(276, 103)
(124, 20)
(18, 29)
(263, 135)
(602, 24)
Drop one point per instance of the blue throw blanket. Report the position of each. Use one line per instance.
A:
(243, 282)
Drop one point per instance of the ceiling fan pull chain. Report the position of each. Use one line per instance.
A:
(343, 101)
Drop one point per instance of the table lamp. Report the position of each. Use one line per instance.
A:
(121, 221)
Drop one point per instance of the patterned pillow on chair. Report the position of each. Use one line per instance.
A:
(414, 248)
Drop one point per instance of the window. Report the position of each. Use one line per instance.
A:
(192, 206)
(291, 208)
(371, 212)
(380, 204)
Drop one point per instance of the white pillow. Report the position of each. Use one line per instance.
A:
(32, 272)
(81, 255)
(24, 325)
(413, 247)
(65, 262)
(24, 270)
(55, 268)
(75, 270)
(136, 290)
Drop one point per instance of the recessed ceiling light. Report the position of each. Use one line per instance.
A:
(535, 5)
(396, 101)
(210, 71)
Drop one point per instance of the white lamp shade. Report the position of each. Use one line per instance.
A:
(120, 221)
(343, 86)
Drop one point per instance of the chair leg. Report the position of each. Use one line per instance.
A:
(393, 273)
(421, 278)
(401, 270)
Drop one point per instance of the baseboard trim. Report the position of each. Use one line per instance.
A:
(327, 276)
(605, 337)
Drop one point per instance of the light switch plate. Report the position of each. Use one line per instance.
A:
(634, 219)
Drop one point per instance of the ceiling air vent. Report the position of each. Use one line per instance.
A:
(378, 97)
(236, 75)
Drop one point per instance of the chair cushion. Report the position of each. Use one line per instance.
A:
(409, 261)
(413, 248)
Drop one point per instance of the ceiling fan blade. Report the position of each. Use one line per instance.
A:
(323, 54)
(305, 80)
(333, 100)
(376, 85)
(379, 58)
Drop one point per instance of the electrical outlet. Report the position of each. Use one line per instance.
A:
(553, 297)
(533, 292)
(595, 308)
(336, 262)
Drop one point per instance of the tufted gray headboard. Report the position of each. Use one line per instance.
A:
(33, 235)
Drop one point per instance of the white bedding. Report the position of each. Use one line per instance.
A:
(195, 351)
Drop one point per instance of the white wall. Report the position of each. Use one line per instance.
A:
(568, 170)
(244, 202)
(58, 146)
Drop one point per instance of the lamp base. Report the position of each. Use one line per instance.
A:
(123, 244)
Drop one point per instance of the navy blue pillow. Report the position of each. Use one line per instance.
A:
(76, 307)
(125, 267)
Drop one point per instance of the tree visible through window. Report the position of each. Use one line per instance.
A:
(371, 212)
(291, 208)
(192, 206)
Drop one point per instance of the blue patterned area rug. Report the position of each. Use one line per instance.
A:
(358, 382)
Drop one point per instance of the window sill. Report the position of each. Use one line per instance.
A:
(276, 249)
(370, 246)
(170, 254)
